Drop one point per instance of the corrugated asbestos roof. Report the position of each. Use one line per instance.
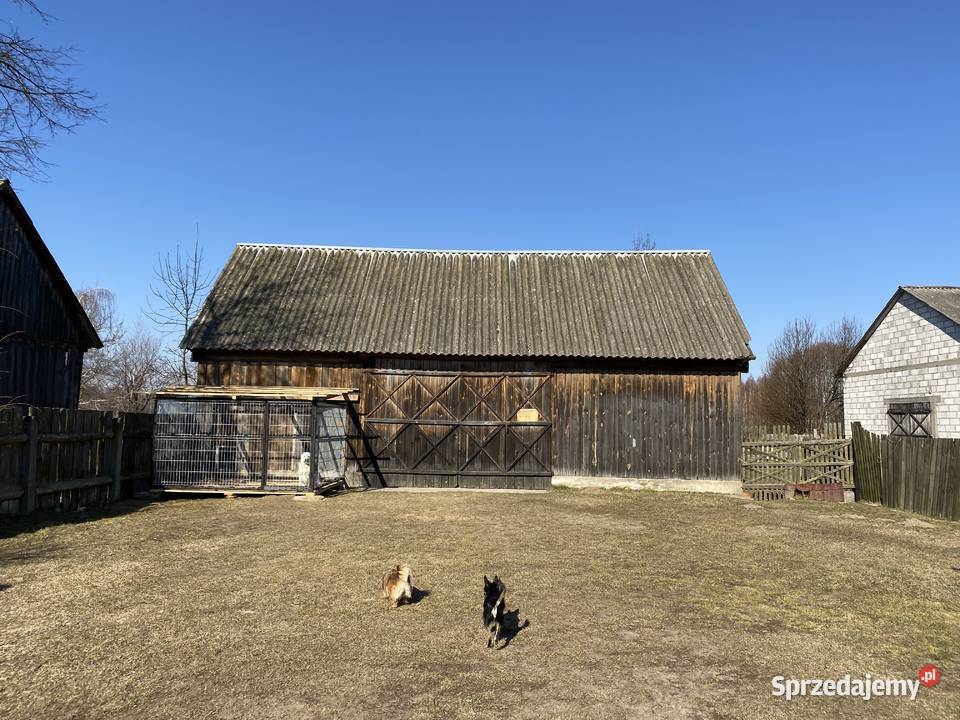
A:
(670, 305)
(942, 298)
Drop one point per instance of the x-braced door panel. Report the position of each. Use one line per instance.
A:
(458, 425)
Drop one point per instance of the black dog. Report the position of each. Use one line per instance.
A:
(494, 604)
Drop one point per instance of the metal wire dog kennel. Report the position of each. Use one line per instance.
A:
(253, 439)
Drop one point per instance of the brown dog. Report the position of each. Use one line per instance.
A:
(396, 584)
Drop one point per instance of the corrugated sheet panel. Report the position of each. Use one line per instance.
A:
(669, 305)
(943, 299)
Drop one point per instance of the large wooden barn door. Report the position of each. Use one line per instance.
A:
(455, 429)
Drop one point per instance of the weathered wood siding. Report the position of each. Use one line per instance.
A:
(62, 459)
(647, 425)
(921, 475)
(608, 421)
(40, 352)
(44, 373)
(443, 428)
(278, 372)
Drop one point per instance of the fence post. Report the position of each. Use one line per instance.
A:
(265, 454)
(28, 469)
(117, 464)
(314, 443)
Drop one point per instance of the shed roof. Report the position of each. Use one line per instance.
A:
(651, 305)
(945, 299)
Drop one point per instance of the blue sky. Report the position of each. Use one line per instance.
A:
(813, 147)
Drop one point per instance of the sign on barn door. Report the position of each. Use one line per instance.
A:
(450, 429)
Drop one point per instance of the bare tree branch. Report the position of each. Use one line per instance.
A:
(32, 5)
(643, 241)
(799, 386)
(180, 285)
(38, 98)
(122, 374)
(139, 371)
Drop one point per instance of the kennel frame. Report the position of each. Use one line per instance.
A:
(254, 422)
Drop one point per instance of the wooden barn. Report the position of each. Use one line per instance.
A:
(44, 331)
(494, 369)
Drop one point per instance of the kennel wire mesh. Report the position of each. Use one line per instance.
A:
(221, 443)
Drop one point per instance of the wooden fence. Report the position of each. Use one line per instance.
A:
(921, 475)
(829, 431)
(768, 466)
(52, 458)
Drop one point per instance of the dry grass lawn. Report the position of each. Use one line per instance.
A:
(639, 604)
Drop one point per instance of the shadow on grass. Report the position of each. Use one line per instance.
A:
(11, 526)
(512, 626)
(417, 594)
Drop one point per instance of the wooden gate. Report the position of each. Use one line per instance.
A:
(767, 466)
(455, 429)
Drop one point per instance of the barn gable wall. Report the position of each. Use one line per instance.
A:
(41, 337)
(31, 303)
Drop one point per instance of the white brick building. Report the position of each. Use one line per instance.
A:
(904, 375)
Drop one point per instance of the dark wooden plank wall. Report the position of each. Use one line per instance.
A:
(278, 372)
(75, 457)
(616, 423)
(43, 373)
(27, 292)
(40, 359)
(647, 425)
(459, 428)
(303, 372)
(457, 365)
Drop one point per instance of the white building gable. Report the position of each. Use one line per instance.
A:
(905, 378)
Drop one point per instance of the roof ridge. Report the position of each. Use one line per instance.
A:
(930, 287)
(304, 246)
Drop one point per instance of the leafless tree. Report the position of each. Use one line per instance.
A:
(139, 371)
(122, 374)
(643, 241)
(835, 344)
(750, 402)
(799, 386)
(38, 98)
(784, 388)
(96, 378)
(180, 286)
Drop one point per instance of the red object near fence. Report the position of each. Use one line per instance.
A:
(828, 492)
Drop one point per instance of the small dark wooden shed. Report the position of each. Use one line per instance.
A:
(44, 330)
(494, 369)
